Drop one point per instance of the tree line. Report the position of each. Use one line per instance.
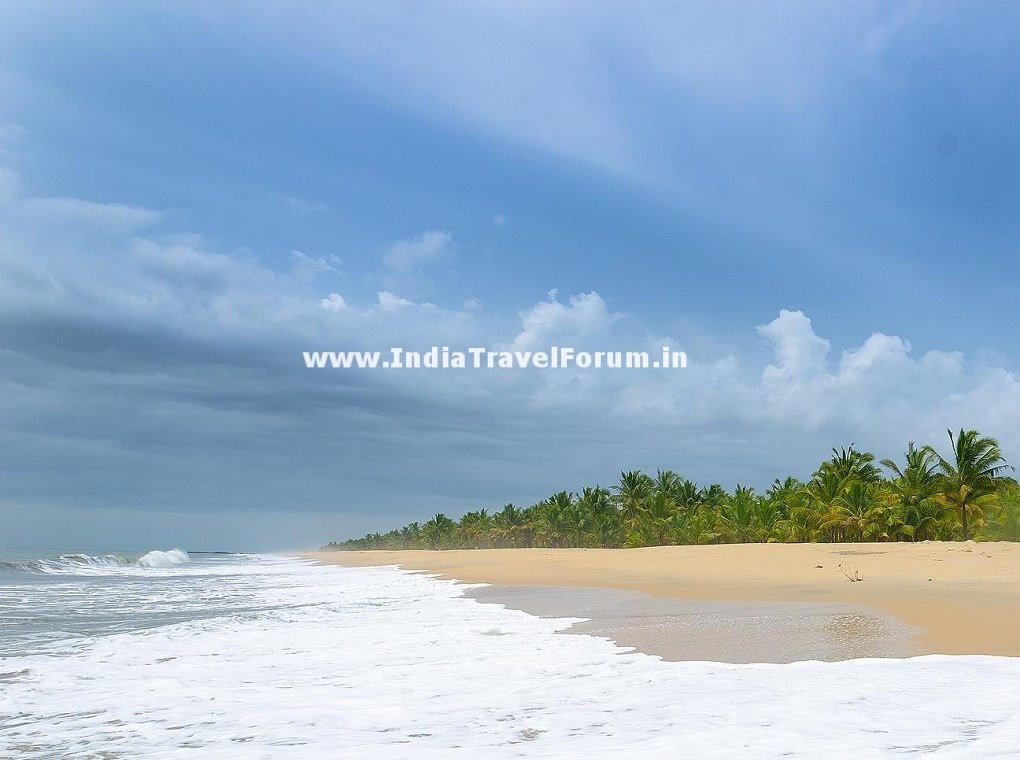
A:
(850, 497)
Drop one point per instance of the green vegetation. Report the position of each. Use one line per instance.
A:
(848, 498)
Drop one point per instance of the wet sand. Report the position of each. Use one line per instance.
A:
(687, 629)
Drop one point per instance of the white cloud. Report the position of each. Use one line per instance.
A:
(427, 248)
(409, 266)
(334, 302)
(552, 322)
(800, 353)
(105, 217)
(878, 388)
(308, 266)
(184, 261)
(876, 350)
(391, 301)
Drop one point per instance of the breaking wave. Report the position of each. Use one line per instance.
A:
(157, 558)
(86, 564)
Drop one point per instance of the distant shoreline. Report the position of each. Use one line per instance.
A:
(962, 598)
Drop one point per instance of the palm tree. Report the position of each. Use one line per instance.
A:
(596, 499)
(510, 526)
(770, 512)
(687, 494)
(970, 481)
(606, 529)
(555, 517)
(713, 496)
(862, 512)
(476, 529)
(661, 518)
(697, 525)
(667, 482)
(850, 464)
(1005, 524)
(596, 520)
(632, 492)
(440, 532)
(791, 520)
(410, 536)
(916, 486)
(821, 508)
(736, 514)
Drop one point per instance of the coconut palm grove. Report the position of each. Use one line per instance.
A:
(968, 494)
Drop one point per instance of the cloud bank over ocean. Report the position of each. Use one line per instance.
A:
(150, 356)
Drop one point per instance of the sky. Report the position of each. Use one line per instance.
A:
(817, 202)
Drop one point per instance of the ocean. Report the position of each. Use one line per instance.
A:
(171, 655)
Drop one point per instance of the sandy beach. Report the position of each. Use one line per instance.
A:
(790, 601)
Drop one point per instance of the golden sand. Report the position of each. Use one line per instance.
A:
(963, 597)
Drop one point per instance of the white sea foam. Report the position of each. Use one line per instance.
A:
(72, 564)
(86, 564)
(330, 662)
(163, 559)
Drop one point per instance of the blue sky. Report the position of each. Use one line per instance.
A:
(183, 183)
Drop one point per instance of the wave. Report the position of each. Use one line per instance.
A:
(157, 558)
(85, 564)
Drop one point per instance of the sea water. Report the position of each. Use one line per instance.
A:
(172, 655)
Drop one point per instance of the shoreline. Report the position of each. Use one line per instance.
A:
(957, 598)
(688, 630)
